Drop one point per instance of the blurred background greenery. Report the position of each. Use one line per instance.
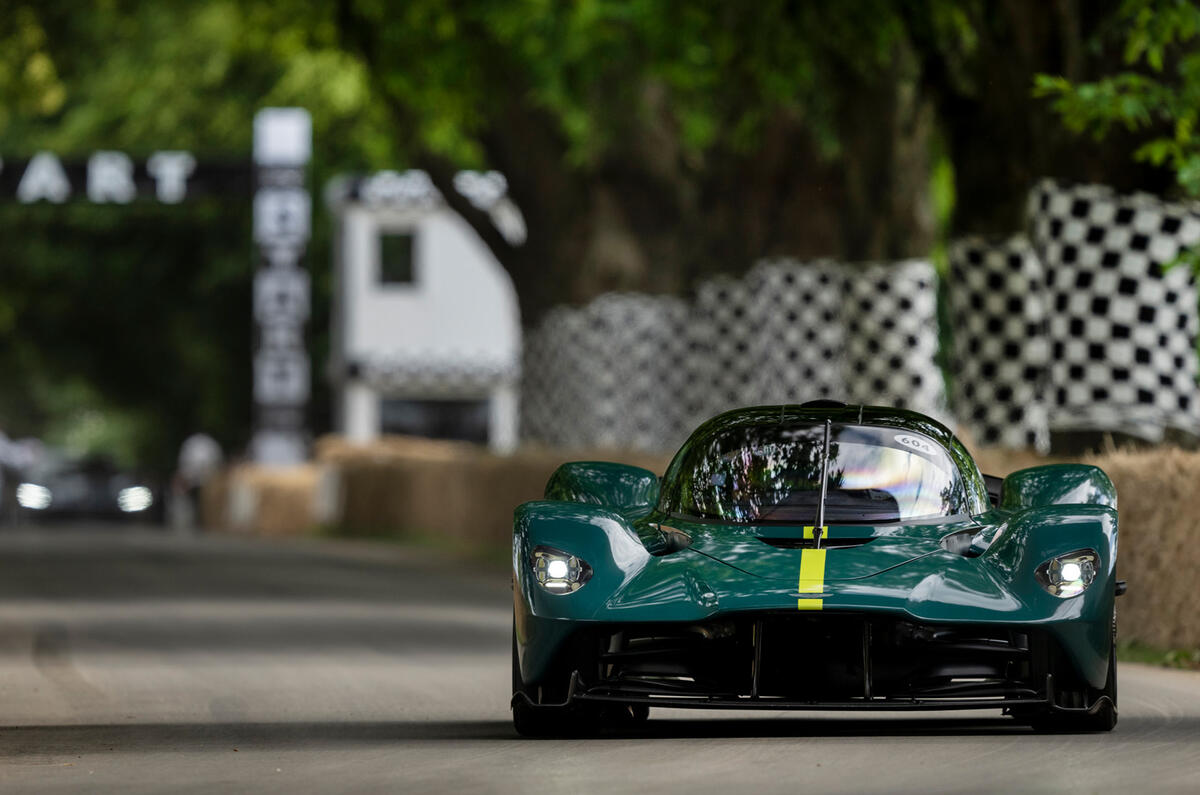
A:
(647, 142)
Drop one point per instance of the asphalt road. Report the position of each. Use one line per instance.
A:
(139, 662)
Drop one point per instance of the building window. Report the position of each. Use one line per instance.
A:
(396, 265)
(466, 420)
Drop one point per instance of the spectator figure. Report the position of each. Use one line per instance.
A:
(200, 458)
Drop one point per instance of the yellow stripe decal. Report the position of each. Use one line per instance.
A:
(810, 529)
(812, 578)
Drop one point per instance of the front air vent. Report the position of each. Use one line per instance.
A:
(808, 543)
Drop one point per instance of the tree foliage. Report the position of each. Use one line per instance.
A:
(127, 328)
(647, 142)
(1156, 96)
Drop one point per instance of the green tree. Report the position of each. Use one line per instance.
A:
(647, 142)
(1156, 97)
(980, 61)
(131, 326)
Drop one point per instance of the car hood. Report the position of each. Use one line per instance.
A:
(852, 551)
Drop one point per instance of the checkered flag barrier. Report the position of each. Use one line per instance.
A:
(643, 346)
(1001, 352)
(890, 316)
(642, 371)
(434, 374)
(722, 347)
(773, 337)
(1122, 328)
(786, 333)
(1077, 328)
(543, 367)
(801, 338)
(602, 375)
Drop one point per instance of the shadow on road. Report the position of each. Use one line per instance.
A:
(22, 741)
(18, 742)
(703, 728)
(247, 634)
(139, 566)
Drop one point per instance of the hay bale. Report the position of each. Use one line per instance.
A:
(1159, 543)
(1158, 503)
(454, 490)
(460, 492)
(214, 502)
(271, 500)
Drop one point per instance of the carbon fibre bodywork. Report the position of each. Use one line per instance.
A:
(932, 614)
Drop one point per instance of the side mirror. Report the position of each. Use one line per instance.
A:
(1057, 484)
(628, 490)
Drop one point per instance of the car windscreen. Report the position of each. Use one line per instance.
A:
(772, 473)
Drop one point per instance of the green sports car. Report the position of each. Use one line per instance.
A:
(816, 556)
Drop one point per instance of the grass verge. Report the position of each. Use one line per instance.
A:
(487, 554)
(1134, 651)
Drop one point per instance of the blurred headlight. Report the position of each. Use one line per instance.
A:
(1069, 575)
(559, 572)
(33, 496)
(134, 499)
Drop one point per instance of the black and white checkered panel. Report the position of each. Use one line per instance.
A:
(553, 376)
(643, 371)
(532, 405)
(723, 341)
(1122, 329)
(607, 375)
(683, 405)
(800, 337)
(890, 312)
(437, 373)
(1001, 353)
(537, 403)
(636, 404)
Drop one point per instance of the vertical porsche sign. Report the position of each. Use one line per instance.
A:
(282, 208)
(282, 223)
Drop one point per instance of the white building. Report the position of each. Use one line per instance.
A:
(426, 328)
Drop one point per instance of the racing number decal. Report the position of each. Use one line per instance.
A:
(812, 575)
(916, 443)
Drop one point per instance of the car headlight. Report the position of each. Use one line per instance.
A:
(33, 496)
(134, 499)
(1069, 575)
(560, 572)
